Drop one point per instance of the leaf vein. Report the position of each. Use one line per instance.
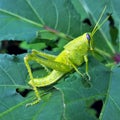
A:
(20, 17)
(36, 13)
(69, 22)
(9, 76)
(57, 15)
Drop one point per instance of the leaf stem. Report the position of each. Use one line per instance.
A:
(60, 34)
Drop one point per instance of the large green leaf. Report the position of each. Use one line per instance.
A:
(69, 100)
(13, 77)
(77, 92)
(71, 97)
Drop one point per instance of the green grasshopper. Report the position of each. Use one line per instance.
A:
(73, 55)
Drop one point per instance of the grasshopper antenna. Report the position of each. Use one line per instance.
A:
(97, 27)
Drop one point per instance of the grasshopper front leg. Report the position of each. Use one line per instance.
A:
(86, 70)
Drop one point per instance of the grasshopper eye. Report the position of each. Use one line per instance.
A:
(88, 36)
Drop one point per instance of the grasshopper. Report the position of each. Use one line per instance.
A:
(73, 55)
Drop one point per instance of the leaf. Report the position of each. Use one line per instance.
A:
(12, 103)
(72, 94)
(29, 17)
(64, 18)
(71, 97)
(77, 92)
(36, 46)
(111, 109)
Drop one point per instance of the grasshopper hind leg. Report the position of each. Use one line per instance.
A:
(26, 59)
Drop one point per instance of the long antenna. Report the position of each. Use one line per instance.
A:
(96, 26)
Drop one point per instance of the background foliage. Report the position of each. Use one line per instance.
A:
(48, 25)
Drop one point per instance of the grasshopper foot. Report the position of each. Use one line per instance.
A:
(33, 103)
(86, 77)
